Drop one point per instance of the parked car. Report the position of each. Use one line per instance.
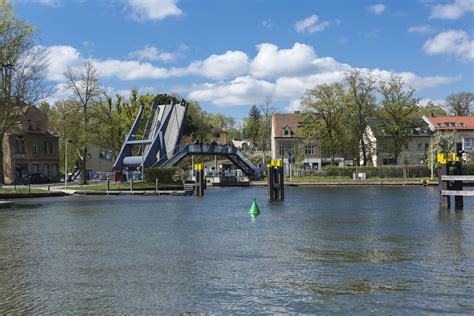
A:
(37, 178)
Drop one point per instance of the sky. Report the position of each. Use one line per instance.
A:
(231, 54)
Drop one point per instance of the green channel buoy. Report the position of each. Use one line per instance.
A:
(254, 210)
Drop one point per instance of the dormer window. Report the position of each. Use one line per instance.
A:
(286, 131)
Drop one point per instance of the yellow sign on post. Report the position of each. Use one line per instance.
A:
(441, 159)
(198, 167)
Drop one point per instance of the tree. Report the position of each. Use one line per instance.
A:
(361, 106)
(267, 111)
(23, 71)
(323, 112)
(397, 113)
(45, 108)
(252, 124)
(85, 88)
(108, 132)
(431, 109)
(443, 142)
(64, 117)
(459, 104)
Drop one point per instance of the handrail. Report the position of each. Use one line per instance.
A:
(227, 150)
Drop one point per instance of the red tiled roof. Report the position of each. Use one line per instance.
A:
(451, 122)
(281, 120)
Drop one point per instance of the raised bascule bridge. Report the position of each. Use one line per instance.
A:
(160, 144)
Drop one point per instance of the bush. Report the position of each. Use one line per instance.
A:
(468, 168)
(380, 172)
(163, 174)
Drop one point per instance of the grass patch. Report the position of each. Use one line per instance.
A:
(21, 190)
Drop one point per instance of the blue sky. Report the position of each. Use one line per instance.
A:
(231, 54)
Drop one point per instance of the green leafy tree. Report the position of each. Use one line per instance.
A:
(431, 109)
(323, 113)
(398, 113)
(252, 124)
(64, 117)
(460, 103)
(361, 88)
(84, 85)
(443, 142)
(23, 70)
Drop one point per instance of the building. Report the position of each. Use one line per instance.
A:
(413, 152)
(285, 143)
(219, 136)
(31, 146)
(100, 161)
(462, 125)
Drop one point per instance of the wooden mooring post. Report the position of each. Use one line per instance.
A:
(199, 179)
(276, 181)
(451, 181)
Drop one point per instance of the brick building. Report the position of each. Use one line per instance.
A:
(30, 147)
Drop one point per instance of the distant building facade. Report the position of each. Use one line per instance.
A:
(30, 147)
(99, 159)
(285, 143)
(219, 136)
(462, 125)
(413, 153)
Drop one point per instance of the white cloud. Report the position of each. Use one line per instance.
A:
(268, 24)
(228, 65)
(49, 3)
(452, 11)
(293, 105)
(155, 10)
(240, 91)
(310, 25)
(153, 54)
(426, 28)
(235, 78)
(60, 58)
(129, 70)
(376, 9)
(452, 42)
(424, 102)
(272, 61)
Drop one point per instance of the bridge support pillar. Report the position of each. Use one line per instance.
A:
(276, 185)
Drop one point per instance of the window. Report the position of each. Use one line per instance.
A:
(309, 150)
(105, 155)
(468, 144)
(388, 161)
(35, 168)
(282, 149)
(420, 146)
(20, 146)
(51, 147)
(286, 132)
(384, 147)
(35, 147)
(46, 170)
(45, 147)
(427, 146)
(405, 146)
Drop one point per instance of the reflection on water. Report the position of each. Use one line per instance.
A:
(340, 250)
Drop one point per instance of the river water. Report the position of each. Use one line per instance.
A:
(323, 250)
